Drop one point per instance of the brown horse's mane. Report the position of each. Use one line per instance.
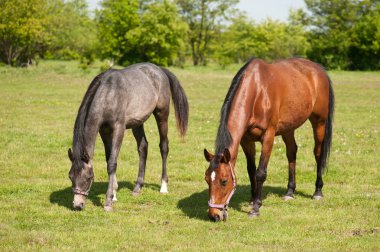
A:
(223, 138)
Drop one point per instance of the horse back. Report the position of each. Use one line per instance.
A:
(130, 95)
(287, 93)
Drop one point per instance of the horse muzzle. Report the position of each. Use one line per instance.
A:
(216, 214)
(79, 202)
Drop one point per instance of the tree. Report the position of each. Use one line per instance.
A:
(269, 40)
(22, 30)
(133, 31)
(72, 33)
(203, 17)
(343, 34)
(364, 51)
(331, 23)
(161, 34)
(114, 20)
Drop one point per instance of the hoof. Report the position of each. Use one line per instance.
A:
(317, 197)
(136, 193)
(253, 214)
(287, 197)
(108, 208)
(136, 190)
(164, 187)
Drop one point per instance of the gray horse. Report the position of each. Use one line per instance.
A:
(117, 100)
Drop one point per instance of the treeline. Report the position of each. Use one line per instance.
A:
(339, 34)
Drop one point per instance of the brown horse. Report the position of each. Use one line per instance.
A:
(266, 100)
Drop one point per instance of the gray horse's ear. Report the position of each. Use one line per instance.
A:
(84, 157)
(226, 156)
(70, 154)
(208, 155)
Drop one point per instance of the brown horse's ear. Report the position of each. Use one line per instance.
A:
(70, 154)
(84, 157)
(208, 156)
(226, 156)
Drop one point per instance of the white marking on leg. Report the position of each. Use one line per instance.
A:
(213, 174)
(164, 187)
(115, 187)
(114, 196)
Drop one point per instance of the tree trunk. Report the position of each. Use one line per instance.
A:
(195, 56)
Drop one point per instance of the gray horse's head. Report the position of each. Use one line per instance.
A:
(81, 175)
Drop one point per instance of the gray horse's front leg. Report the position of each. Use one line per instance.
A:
(117, 138)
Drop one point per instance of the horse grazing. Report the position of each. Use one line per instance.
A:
(265, 100)
(117, 100)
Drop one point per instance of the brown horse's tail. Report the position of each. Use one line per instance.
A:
(326, 145)
(181, 106)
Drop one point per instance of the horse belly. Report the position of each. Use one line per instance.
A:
(139, 108)
(295, 110)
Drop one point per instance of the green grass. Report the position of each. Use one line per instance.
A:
(37, 111)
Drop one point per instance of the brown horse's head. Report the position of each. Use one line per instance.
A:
(221, 181)
(81, 175)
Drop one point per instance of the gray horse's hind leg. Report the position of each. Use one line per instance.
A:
(162, 124)
(116, 140)
(142, 147)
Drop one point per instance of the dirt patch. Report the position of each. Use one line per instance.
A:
(362, 232)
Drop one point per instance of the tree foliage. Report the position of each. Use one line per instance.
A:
(134, 31)
(269, 40)
(204, 18)
(339, 34)
(44, 28)
(22, 30)
(364, 51)
(343, 34)
(72, 33)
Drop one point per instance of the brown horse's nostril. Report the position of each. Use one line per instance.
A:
(215, 217)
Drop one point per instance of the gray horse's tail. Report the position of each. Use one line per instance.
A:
(181, 106)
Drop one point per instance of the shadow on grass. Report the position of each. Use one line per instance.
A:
(98, 190)
(195, 205)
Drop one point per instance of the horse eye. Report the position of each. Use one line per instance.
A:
(223, 182)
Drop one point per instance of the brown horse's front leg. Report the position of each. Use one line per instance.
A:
(261, 173)
(249, 149)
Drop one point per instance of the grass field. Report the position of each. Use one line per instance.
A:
(38, 107)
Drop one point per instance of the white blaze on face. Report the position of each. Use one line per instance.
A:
(212, 200)
(213, 174)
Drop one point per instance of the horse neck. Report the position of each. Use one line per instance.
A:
(86, 141)
(240, 115)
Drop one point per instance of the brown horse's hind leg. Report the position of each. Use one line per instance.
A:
(162, 125)
(142, 148)
(319, 134)
(250, 153)
(291, 154)
(261, 173)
